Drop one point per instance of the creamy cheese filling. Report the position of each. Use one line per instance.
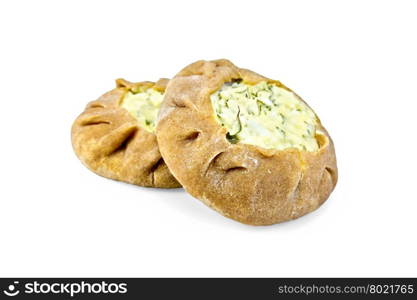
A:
(144, 106)
(265, 115)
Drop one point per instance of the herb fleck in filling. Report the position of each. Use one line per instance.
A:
(265, 115)
(144, 106)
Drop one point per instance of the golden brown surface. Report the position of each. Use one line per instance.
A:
(244, 182)
(109, 141)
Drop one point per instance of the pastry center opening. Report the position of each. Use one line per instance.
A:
(144, 106)
(265, 115)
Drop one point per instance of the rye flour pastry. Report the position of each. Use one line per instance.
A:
(245, 145)
(114, 136)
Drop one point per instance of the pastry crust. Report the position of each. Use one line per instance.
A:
(250, 184)
(110, 142)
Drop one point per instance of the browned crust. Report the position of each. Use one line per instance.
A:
(247, 183)
(110, 142)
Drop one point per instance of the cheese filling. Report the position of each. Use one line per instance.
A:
(144, 106)
(265, 115)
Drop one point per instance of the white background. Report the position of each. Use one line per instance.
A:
(353, 62)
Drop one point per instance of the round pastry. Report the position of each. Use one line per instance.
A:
(245, 145)
(114, 137)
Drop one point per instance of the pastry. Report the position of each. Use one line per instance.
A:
(245, 145)
(114, 137)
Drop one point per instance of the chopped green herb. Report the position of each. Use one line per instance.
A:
(263, 115)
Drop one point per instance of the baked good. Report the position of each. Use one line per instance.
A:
(114, 137)
(244, 144)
